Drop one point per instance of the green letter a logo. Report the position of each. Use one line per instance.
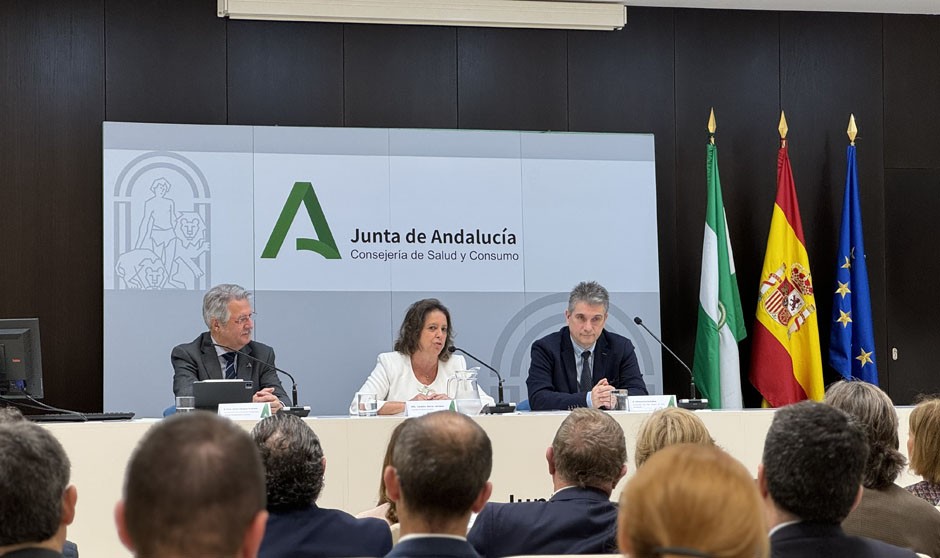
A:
(324, 245)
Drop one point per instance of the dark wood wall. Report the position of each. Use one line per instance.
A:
(68, 65)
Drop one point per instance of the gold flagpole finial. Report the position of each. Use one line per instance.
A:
(853, 129)
(712, 126)
(782, 127)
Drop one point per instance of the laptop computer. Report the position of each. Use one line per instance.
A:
(208, 394)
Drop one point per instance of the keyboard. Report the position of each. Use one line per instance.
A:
(79, 417)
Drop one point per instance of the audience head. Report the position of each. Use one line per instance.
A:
(667, 427)
(10, 414)
(392, 514)
(692, 500)
(874, 412)
(589, 450)
(813, 461)
(37, 502)
(440, 468)
(293, 461)
(194, 487)
(923, 442)
(416, 329)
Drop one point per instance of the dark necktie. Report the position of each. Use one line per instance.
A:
(587, 382)
(229, 372)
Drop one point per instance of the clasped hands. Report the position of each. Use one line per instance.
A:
(601, 395)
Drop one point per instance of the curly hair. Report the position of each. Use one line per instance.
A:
(409, 335)
(293, 462)
(875, 413)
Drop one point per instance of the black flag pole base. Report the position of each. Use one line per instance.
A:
(693, 404)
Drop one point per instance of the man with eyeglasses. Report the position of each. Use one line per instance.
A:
(228, 314)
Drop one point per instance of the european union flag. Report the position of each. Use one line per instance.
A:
(852, 342)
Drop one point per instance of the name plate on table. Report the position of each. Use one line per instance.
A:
(418, 408)
(650, 403)
(245, 411)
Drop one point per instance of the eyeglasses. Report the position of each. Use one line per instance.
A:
(241, 320)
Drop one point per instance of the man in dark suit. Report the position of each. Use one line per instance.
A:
(37, 503)
(810, 479)
(294, 471)
(581, 364)
(439, 474)
(586, 459)
(228, 314)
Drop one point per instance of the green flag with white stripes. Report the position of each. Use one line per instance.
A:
(716, 367)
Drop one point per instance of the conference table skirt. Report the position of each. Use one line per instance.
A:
(354, 449)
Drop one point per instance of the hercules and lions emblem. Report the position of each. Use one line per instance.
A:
(169, 248)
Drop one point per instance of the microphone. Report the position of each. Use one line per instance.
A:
(294, 408)
(694, 402)
(501, 406)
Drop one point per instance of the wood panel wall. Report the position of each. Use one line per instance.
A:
(68, 65)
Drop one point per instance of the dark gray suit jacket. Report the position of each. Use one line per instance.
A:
(199, 360)
(821, 540)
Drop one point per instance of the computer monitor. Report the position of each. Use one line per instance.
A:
(20, 359)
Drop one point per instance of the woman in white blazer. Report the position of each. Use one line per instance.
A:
(420, 366)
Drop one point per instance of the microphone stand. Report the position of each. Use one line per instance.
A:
(501, 407)
(693, 403)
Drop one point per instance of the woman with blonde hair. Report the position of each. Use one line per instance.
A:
(667, 427)
(923, 447)
(692, 500)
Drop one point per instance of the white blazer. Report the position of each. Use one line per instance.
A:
(393, 379)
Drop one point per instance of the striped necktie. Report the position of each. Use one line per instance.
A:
(229, 372)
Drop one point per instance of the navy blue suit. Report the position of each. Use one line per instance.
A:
(315, 532)
(553, 375)
(822, 540)
(574, 521)
(432, 547)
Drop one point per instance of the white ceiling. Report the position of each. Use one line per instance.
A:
(867, 6)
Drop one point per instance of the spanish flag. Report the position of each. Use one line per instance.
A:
(786, 362)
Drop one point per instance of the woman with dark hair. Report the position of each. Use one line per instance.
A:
(420, 365)
(887, 512)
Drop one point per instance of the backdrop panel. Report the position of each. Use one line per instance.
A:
(338, 230)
